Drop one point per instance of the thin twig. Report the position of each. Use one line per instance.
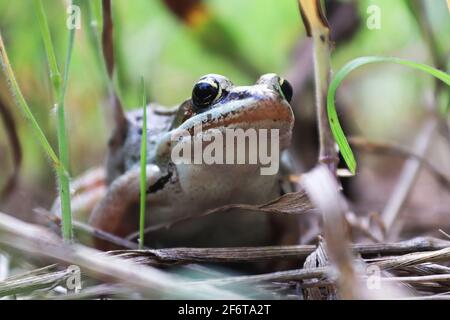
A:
(414, 259)
(375, 147)
(317, 27)
(407, 178)
(257, 254)
(327, 273)
(431, 278)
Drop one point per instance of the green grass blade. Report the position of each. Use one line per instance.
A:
(59, 92)
(55, 76)
(63, 143)
(62, 132)
(22, 104)
(336, 128)
(143, 175)
(95, 20)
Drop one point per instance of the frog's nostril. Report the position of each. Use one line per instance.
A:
(286, 89)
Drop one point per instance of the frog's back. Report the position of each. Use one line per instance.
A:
(124, 145)
(159, 118)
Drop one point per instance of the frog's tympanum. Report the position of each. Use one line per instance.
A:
(177, 190)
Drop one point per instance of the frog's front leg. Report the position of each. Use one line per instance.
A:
(118, 211)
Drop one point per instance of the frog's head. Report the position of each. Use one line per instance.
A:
(248, 119)
(217, 104)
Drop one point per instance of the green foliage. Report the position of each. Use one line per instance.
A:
(336, 128)
(59, 91)
(143, 175)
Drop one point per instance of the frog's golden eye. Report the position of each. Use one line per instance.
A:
(286, 89)
(205, 92)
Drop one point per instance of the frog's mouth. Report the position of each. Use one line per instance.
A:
(258, 113)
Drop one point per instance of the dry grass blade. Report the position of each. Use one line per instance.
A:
(96, 292)
(11, 132)
(414, 258)
(148, 281)
(425, 269)
(431, 278)
(322, 188)
(319, 258)
(34, 272)
(326, 275)
(214, 255)
(290, 203)
(175, 256)
(31, 283)
(298, 274)
(407, 178)
(408, 246)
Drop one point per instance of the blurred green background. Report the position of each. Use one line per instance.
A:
(382, 101)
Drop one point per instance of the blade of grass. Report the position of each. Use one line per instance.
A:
(94, 19)
(336, 128)
(22, 104)
(55, 75)
(59, 91)
(143, 175)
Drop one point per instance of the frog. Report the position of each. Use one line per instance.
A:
(176, 190)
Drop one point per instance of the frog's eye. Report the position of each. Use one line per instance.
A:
(205, 92)
(286, 88)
